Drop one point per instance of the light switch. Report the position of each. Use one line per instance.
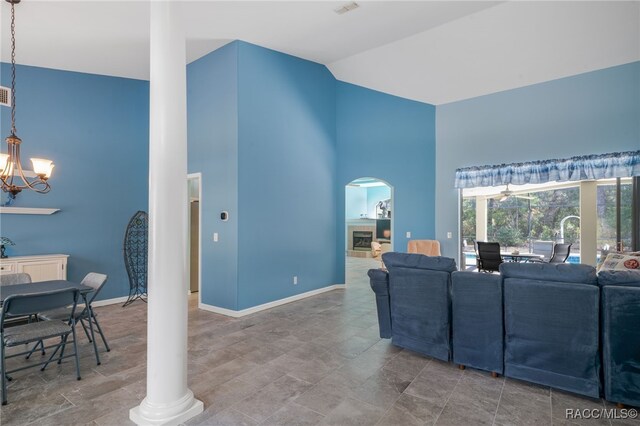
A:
(215, 237)
(408, 234)
(449, 235)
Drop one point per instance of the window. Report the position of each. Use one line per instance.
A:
(529, 218)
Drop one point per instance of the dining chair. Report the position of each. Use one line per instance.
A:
(489, 258)
(32, 304)
(85, 313)
(11, 279)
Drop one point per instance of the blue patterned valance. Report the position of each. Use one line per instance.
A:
(588, 167)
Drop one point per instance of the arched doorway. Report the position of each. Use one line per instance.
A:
(368, 221)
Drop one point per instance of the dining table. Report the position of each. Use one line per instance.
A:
(521, 257)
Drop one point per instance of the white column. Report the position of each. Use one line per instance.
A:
(168, 400)
(588, 222)
(481, 218)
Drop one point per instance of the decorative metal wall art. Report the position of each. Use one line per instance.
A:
(136, 256)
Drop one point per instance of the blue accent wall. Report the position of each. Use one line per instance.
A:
(96, 131)
(286, 179)
(262, 133)
(591, 113)
(356, 202)
(392, 139)
(212, 121)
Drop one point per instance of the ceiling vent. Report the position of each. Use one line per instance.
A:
(5, 96)
(346, 8)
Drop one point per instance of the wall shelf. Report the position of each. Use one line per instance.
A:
(27, 210)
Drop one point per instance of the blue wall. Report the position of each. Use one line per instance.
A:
(596, 112)
(392, 139)
(262, 132)
(96, 131)
(212, 120)
(286, 176)
(356, 202)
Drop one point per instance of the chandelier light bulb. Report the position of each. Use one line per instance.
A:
(42, 167)
(4, 167)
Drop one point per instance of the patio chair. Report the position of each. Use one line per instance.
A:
(31, 304)
(489, 258)
(545, 248)
(560, 254)
(85, 314)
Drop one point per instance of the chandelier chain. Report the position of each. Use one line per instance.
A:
(13, 69)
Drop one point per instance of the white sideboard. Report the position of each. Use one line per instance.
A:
(41, 268)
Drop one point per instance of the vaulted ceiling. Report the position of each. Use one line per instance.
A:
(431, 51)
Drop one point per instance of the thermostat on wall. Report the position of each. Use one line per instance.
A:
(224, 216)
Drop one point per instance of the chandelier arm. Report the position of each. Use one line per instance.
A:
(12, 161)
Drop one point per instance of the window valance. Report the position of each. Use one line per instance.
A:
(587, 167)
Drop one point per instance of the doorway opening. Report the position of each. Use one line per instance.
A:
(369, 219)
(194, 244)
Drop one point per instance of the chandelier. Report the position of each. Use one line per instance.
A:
(11, 174)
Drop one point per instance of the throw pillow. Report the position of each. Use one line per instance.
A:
(622, 261)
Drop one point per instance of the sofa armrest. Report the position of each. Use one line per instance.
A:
(379, 281)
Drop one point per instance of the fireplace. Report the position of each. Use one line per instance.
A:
(362, 240)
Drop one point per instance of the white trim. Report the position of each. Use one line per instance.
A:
(198, 176)
(27, 210)
(269, 305)
(106, 302)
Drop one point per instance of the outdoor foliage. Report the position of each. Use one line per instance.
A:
(516, 222)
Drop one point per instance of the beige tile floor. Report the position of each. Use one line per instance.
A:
(315, 361)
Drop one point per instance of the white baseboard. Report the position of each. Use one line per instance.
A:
(106, 302)
(269, 305)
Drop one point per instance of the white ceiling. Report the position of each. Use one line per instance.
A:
(432, 51)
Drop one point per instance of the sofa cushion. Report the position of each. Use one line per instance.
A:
(556, 272)
(418, 261)
(620, 278)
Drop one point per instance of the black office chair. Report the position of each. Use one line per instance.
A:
(31, 304)
(561, 253)
(489, 258)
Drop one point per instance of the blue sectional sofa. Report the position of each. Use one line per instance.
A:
(478, 334)
(552, 325)
(621, 335)
(419, 302)
(556, 325)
